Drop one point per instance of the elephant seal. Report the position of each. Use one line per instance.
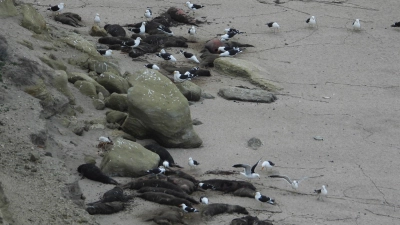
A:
(92, 172)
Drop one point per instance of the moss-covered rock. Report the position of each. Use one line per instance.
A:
(117, 102)
(191, 91)
(55, 64)
(60, 82)
(32, 20)
(7, 9)
(97, 31)
(242, 68)
(113, 83)
(78, 42)
(114, 116)
(87, 88)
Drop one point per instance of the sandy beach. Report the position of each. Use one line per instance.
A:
(339, 84)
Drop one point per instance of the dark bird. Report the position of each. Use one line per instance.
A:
(152, 66)
(231, 52)
(263, 198)
(396, 24)
(193, 7)
(166, 56)
(157, 171)
(189, 56)
(188, 209)
(165, 30)
(138, 30)
(273, 25)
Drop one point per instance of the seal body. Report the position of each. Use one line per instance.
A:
(92, 172)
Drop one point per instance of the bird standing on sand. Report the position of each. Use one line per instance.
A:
(293, 183)
(152, 66)
(231, 52)
(105, 52)
(193, 7)
(157, 171)
(263, 198)
(321, 192)
(189, 56)
(193, 163)
(57, 8)
(357, 25)
(188, 209)
(204, 200)
(97, 19)
(267, 164)
(192, 30)
(148, 13)
(274, 25)
(248, 171)
(311, 21)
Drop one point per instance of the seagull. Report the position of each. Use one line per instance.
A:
(166, 164)
(204, 200)
(189, 56)
(226, 48)
(193, 71)
(294, 183)
(231, 52)
(192, 31)
(157, 171)
(97, 19)
(187, 208)
(132, 44)
(321, 192)
(311, 21)
(227, 36)
(140, 29)
(248, 171)
(267, 164)
(105, 139)
(166, 56)
(179, 78)
(396, 24)
(263, 198)
(192, 163)
(206, 186)
(105, 52)
(273, 25)
(357, 25)
(152, 66)
(57, 8)
(233, 30)
(165, 29)
(193, 7)
(148, 13)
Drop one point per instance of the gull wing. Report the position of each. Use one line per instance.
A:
(246, 167)
(255, 165)
(282, 176)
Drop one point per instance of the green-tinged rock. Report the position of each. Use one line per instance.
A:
(99, 104)
(246, 94)
(55, 64)
(114, 116)
(60, 82)
(191, 91)
(100, 66)
(242, 68)
(7, 9)
(128, 159)
(78, 42)
(158, 110)
(27, 44)
(75, 76)
(87, 88)
(117, 102)
(113, 83)
(32, 20)
(97, 31)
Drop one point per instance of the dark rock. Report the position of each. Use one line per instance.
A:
(48, 154)
(207, 95)
(191, 91)
(218, 208)
(105, 208)
(99, 104)
(254, 143)
(93, 172)
(39, 138)
(249, 95)
(69, 18)
(196, 122)
(32, 19)
(115, 30)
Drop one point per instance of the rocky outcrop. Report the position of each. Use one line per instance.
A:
(60, 82)
(87, 88)
(32, 20)
(78, 42)
(114, 116)
(128, 159)
(158, 110)
(97, 31)
(76, 76)
(242, 68)
(191, 91)
(113, 83)
(7, 9)
(246, 94)
(55, 64)
(101, 66)
(117, 102)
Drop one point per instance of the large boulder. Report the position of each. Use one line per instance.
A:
(7, 9)
(32, 20)
(75, 76)
(246, 94)
(191, 91)
(87, 88)
(158, 110)
(60, 82)
(117, 102)
(243, 68)
(114, 116)
(78, 42)
(113, 83)
(101, 66)
(128, 159)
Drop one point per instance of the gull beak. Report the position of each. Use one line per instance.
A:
(262, 168)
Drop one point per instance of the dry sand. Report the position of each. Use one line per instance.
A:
(358, 71)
